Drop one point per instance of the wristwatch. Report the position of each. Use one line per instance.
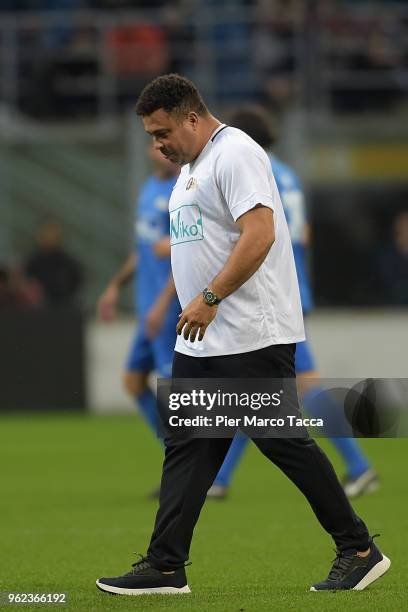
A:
(210, 298)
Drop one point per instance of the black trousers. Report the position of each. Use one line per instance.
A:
(190, 466)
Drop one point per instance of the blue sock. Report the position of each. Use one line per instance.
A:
(319, 403)
(232, 459)
(148, 405)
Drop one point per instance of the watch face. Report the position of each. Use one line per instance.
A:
(210, 297)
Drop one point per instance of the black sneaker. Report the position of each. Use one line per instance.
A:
(144, 579)
(349, 571)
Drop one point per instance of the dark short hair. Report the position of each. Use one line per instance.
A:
(256, 122)
(173, 93)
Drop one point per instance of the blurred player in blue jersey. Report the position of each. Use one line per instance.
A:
(157, 306)
(360, 477)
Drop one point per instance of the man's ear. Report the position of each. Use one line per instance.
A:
(192, 119)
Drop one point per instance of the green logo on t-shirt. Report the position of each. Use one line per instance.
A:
(186, 224)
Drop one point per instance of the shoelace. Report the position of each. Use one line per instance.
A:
(342, 562)
(139, 566)
(143, 564)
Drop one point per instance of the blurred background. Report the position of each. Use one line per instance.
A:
(72, 158)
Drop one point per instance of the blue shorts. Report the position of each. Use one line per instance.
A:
(148, 354)
(304, 360)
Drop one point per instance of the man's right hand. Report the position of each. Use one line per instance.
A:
(107, 304)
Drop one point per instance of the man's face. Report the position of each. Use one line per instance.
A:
(175, 137)
(161, 163)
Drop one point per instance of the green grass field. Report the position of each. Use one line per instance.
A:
(73, 508)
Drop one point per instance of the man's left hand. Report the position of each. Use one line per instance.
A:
(195, 319)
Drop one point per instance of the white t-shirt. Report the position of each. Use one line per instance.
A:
(231, 175)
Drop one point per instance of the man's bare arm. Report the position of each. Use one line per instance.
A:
(257, 237)
(107, 303)
(168, 293)
(125, 273)
(156, 315)
(162, 247)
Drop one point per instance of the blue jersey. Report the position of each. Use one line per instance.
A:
(152, 224)
(293, 201)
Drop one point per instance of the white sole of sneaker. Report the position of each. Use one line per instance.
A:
(153, 591)
(375, 572)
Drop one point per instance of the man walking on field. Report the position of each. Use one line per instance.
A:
(235, 277)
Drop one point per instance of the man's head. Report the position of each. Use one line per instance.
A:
(256, 122)
(49, 235)
(174, 113)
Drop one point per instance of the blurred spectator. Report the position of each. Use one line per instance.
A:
(137, 49)
(16, 292)
(393, 263)
(7, 295)
(61, 80)
(137, 52)
(226, 34)
(372, 82)
(279, 51)
(274, 48)
(364, 55)
(58, 274)
(180, 32)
